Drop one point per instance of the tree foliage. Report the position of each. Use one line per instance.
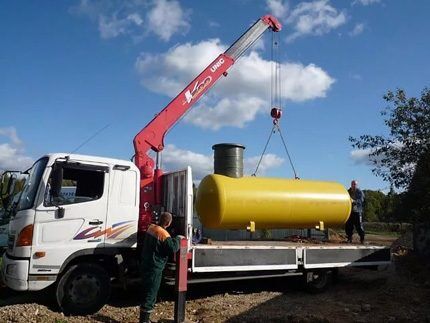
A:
(373, 207)
(403, 156)
(380, 207)
(391, 205)
(395, 155)
(416, 200)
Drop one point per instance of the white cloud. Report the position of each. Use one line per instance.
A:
(358, 29)
(278, 8)
(175, 158)
(361, 156)
(214, 24)
(168, 18)
(269, 161)
(314, 18)
(10, 132)
(168, 73)
(237, 99)
(366, 2)
(12, 155)
(235, 111)
(259, 45)
(137, 18)
(111, 27)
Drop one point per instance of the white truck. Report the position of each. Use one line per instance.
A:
(79, 242)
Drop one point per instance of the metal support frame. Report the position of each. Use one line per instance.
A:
(181, 281)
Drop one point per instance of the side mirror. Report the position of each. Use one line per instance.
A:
(56, 180)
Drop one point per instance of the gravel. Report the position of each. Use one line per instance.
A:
(396, 294)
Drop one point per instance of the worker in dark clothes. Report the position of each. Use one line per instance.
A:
(355, 218)
(157, 247)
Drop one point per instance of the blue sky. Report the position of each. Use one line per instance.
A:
(70, 68)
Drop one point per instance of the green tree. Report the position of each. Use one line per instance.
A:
(373, 207)
(416, 200)
(390, 206)
(403, 156)
(395, 155)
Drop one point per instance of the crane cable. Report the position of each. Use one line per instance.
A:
(276, 101)
(272, 131)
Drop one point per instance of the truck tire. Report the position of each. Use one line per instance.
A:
(83, 289)
(321, 280)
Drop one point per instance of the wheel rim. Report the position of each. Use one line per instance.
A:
(84, 290)
(319, 280)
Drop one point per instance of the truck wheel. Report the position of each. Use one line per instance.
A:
(83, 289)
(317, 281)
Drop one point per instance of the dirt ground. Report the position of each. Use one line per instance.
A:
(400, 293)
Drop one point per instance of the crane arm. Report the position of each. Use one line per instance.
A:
(151, 137)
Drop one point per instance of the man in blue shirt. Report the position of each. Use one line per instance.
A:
(355, 218)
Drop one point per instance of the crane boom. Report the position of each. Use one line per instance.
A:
(151, 137)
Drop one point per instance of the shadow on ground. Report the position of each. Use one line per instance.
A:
(131, 296)
(44, 297)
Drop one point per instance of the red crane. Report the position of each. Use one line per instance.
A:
(151, 137)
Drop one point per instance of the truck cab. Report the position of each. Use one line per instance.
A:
(49, 231)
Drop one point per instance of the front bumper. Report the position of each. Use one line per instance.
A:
(15, 273)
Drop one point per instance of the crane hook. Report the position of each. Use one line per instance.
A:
(276, 114)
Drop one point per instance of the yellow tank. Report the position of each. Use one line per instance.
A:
(270, 203)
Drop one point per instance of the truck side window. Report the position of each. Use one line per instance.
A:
(78, 185)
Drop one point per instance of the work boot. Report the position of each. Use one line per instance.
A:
(144, 317)
(362, 240)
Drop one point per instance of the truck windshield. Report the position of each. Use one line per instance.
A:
(26, 200)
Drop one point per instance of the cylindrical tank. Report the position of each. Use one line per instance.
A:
(271, 203)
(228, 159)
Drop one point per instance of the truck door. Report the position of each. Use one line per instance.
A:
(123, 212)
(178, 200)
(75, 220)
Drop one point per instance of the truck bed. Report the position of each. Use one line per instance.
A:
(225, 256)
(285, 243)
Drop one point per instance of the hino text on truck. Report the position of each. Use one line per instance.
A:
(79, 242)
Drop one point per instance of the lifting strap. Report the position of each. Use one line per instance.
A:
(274, 129)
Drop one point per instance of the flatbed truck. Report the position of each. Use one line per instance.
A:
(79, 243)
